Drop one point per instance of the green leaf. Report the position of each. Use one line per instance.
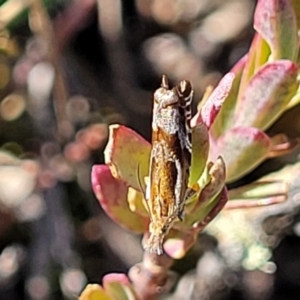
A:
(259, 189)
(263, 52)
(296, 6)
(213, 104)
(200, 147)
(258, 55)
(136, 200)
(267, 95)
(243, 148)
(256, 194)
(212, 209)
(7, 158)
(118, 287)
(127, 155)
(224, 119)
(14, 13)
(178, 243)
(112, 195)
(275, 21)
(94, 292)
(295, 100)
(208, 196)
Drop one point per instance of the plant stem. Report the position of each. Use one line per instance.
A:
(41, 25)
(152, 277)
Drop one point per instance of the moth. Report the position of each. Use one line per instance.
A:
(169, 161)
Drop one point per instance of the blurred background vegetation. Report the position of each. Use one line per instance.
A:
(68, 69)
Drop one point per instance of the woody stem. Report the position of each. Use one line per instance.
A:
(152, 277)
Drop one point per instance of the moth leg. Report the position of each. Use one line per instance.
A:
(190, 193)
(185, 140)
(188, 144)
(181, 213)
(188, 196)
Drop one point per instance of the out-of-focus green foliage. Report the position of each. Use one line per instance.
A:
(263, 86)
(15, 12)
(115, 286)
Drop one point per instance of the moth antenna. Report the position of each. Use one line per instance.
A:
(185, 88)
(165, 82)
(185, 93)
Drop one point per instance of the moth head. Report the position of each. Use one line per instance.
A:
(164, 96)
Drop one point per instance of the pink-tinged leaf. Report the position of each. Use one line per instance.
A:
(296, 6)
(217, 173)
(115, 277)
(242, 203)
(136, 202)
(94, 292)
(213, 209)
(259, 193)
(275, 21)
(295, 100)
(197, 119)
(118, 287)
(267, 95)
(259, 189)
(281, 145)
(238, 68)
(263, 52)
(249, 68)
(224, 120)
(200, 147)
(112, 195)
(258, 55)
(178, 243)
(243, 148)
(213, 104)
(127, 155)
(208, 196)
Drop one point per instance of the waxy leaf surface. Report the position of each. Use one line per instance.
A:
(112, 195)
(208, 197)
(296, 6)
(267, 95)
(178, 243)
(213, 208)
(275, 21)
(256, 194)
(225, 119)
(200, 147)
(243, 148)
(257, 56)
(94, 292)
(118, 287)
(213, 104)
(127, 154)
